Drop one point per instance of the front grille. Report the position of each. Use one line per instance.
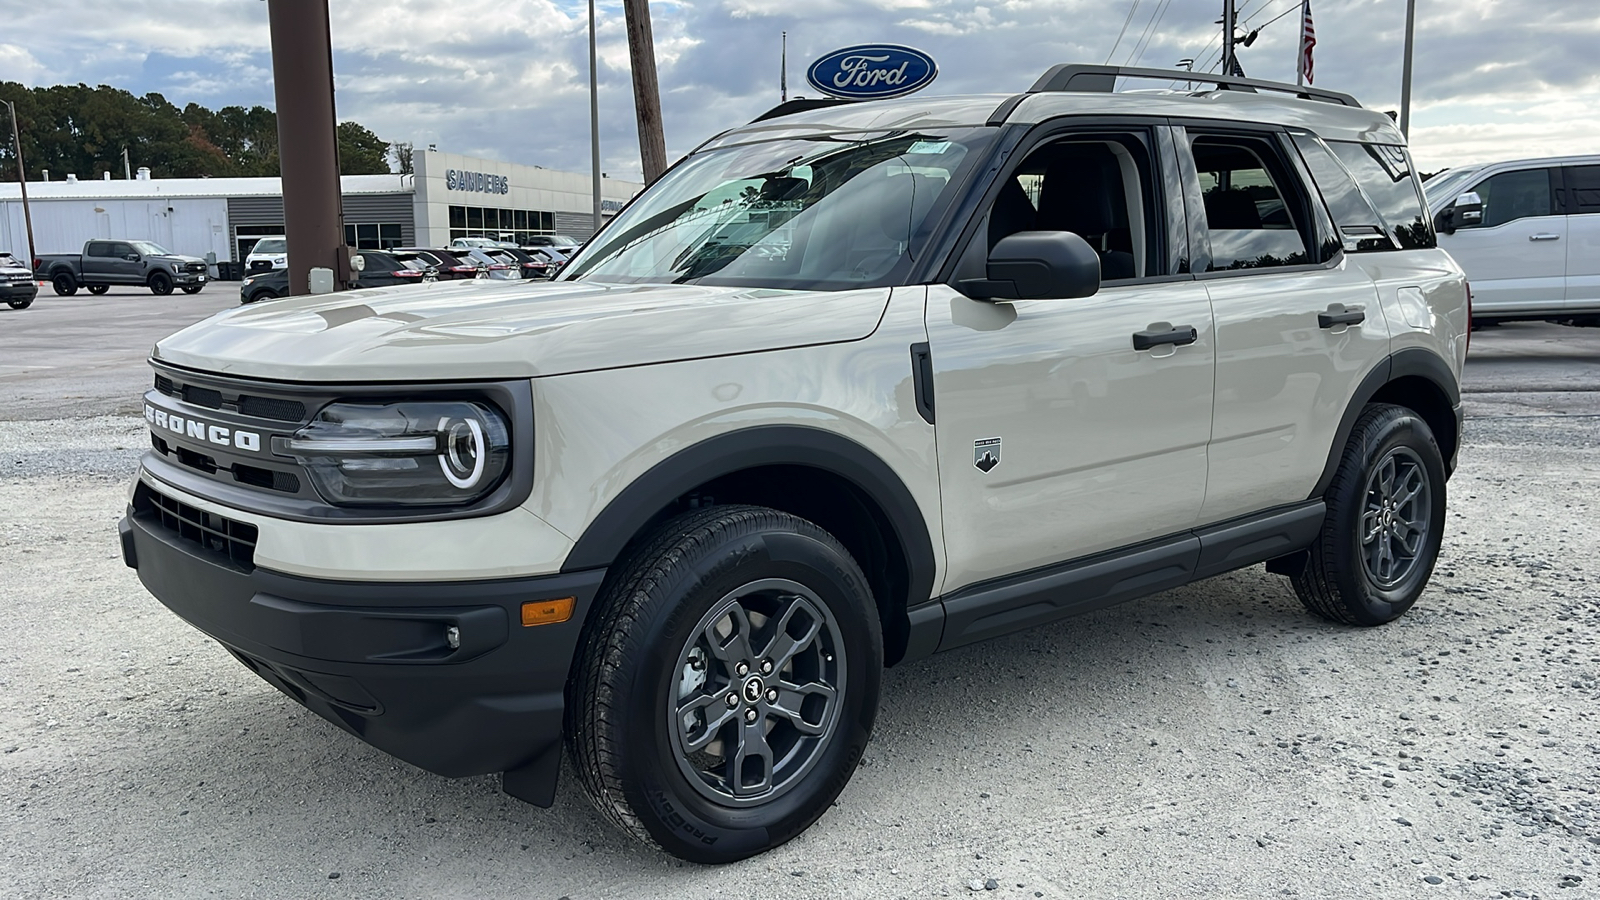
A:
(194, 267)
(272, 408)
(272, 480)
(228, 542)
(200, 396)
(165, 386)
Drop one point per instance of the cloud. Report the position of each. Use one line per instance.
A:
(509, 78)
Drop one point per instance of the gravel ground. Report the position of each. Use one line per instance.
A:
(1210, 741)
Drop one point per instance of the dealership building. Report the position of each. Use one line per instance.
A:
(449, 196)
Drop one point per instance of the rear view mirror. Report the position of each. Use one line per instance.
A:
(1038, 265)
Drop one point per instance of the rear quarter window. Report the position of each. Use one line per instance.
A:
(1384, 173)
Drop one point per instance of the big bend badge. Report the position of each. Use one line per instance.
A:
(986, 453)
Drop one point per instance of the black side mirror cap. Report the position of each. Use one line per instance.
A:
(1037, 265)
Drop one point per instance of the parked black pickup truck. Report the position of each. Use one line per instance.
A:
(105, 263)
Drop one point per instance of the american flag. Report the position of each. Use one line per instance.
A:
(1308, 41)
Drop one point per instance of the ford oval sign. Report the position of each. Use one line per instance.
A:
(872, 72)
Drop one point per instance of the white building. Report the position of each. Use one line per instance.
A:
(449, 196)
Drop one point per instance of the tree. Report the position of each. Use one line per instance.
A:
(81, 130)
(404, 156)
(360, 151)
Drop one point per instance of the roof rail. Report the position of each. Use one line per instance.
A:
(1103, 80)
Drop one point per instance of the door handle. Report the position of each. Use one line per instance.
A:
(1338, 314)
(1544, 236)
(1164, 333)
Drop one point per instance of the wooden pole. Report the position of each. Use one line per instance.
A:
(646, 91)
(22, 180)
(308, 153)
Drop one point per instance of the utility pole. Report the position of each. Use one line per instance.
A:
(308, 154)
(127, 173)
(22, 179)
(594, 117)
(646, 91)
(1227, 38)
(783, 71)
(1405, 76)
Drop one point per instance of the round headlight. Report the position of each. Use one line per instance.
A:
(404, 454)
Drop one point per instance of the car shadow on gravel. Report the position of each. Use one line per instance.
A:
(254, 761)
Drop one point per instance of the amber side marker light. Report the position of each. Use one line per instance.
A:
(547, 612)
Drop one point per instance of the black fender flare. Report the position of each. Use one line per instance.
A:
(604, 540)
(1410, 361)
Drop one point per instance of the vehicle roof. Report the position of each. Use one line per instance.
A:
(1330, 120)
(1586, 159)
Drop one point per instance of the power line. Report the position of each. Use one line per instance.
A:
(1125, 21)
(1149, 31)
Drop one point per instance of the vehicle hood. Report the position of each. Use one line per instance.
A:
(485, 329)
(177, 258)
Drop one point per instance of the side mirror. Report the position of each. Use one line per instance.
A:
(1038, 265)
(131, 257)
(1467, 210)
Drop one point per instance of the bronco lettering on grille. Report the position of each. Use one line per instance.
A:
(220, 435)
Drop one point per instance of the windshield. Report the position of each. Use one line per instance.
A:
(561, 240)
(148, 249)
(271, 245)
(1441, 189)
(831, 212)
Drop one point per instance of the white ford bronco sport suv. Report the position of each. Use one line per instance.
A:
(847, 386)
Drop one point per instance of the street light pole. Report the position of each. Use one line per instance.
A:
(1227, 38)
(1405, 77)
(302, 77)
(22, 179)
(594, 117)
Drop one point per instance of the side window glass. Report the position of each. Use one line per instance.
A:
(1514, 195)
(1360, 226)
(1384, 173)
(1583, 187)
(1097, 186)
(122, 251)
(1247, 210)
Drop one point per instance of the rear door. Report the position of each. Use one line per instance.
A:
(1583, 238)
(1516, 259)
(1267, 255)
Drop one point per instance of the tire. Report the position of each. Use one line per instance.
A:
(64, 284)
(20, 304)
(98, 289)
(160, 284)
(650, 767)
(1388, 492)
(263, 294)
(192, 288)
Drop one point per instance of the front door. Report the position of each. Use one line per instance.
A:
(1516, 260)
(1056, 437)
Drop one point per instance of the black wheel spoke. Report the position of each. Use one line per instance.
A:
(791, 704)
(750, 765)
(784, 644)
(701, 719)
(734, 646)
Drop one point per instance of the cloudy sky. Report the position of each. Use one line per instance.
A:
(508, 79)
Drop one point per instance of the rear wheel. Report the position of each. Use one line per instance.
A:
(160, 284)
(98, 289)
(64, 284)
(1384, 525)
(728, 685)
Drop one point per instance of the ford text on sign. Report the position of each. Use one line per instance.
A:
(872, 72)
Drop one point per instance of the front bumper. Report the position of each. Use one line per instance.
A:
(375, 659)
(18, 290)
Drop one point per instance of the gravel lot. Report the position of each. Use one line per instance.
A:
(1207, 742)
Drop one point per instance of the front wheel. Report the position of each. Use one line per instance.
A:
(98, 289)
(160, 284)
(1384, 525)
(64, 284)
(20, 304)
(728, 684)
(192, 288)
